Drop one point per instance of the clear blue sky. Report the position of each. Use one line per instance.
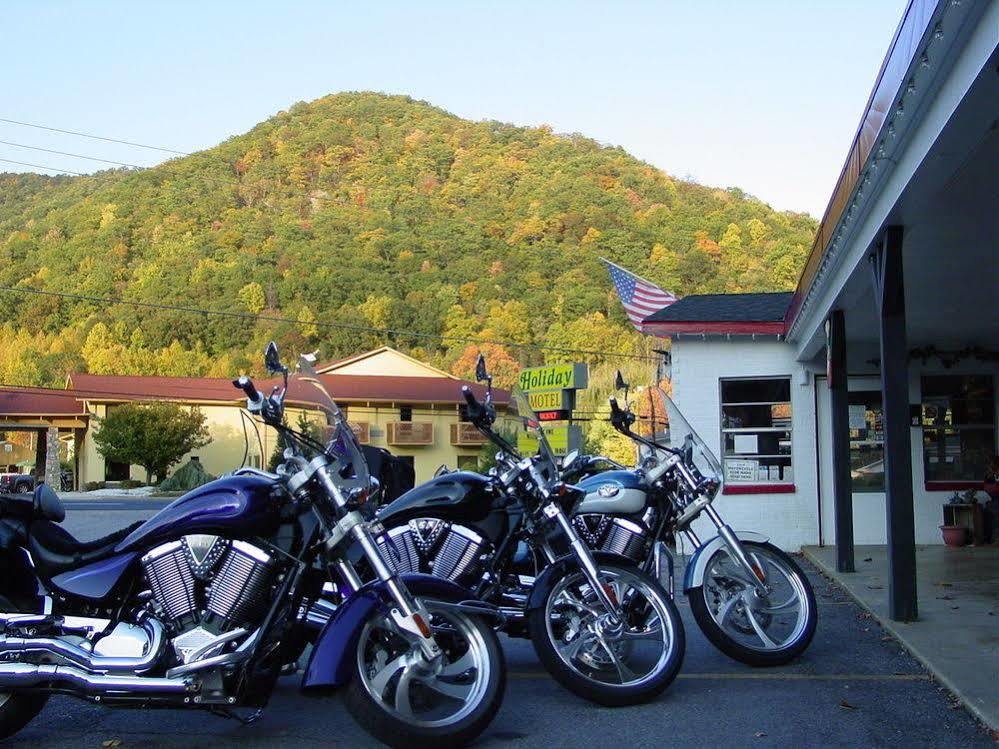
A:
(763, 95)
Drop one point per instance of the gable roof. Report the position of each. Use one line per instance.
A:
(393, 363)
(739, 314)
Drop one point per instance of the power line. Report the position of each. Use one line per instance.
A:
(217, 179)
(73, 155)
(316, 323)
(94, 137)
(46, 168)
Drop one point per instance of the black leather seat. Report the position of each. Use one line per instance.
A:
(54, 549)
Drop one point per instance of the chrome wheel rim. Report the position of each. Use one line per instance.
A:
(400, 680)
(762, 623)
(600, 649)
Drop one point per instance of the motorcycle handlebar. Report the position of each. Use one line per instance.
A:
(470, 398)
(245, 384)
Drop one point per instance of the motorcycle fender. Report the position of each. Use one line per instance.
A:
(694, 575)
(560, 568)
(332, 658)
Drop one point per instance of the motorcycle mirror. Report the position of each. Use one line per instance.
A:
(481, 373)
(619, 383)
(272, 360)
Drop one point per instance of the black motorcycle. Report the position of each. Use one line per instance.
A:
(603, 628)
(202, 605)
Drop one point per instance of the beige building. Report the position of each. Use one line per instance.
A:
(391, 400)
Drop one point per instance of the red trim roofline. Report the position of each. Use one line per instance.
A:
(715, 328)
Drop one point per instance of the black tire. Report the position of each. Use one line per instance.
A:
(751, 656)
(397, 732)
(610, 695)
(20, 707)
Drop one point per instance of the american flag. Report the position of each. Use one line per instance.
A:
(640, 297)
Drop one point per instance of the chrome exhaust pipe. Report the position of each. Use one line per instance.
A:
(76, 655)
(27, 675)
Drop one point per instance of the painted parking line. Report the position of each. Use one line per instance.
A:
(762, 677)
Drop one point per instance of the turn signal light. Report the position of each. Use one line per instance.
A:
(422, 625)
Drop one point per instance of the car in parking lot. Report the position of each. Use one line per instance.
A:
(16, 483)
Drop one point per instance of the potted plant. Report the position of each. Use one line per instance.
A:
(954, 535)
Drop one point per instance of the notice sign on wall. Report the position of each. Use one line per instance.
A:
(740, 470)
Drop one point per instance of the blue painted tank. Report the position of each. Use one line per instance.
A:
(234, 506)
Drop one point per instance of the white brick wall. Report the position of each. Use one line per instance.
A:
(790, 520)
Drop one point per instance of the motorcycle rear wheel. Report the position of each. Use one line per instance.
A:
(589, 656)
(17, 709)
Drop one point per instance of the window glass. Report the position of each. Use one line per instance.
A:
(756, 430)
(405, 413)
(959, 431)
(867, 442)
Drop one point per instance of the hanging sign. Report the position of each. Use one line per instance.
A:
(561, 439)
(554, 377)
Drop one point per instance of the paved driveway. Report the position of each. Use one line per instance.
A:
(854, 687)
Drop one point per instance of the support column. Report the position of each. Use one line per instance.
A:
(839, 397)
(889, 293)
(40, 443)
(53, 469)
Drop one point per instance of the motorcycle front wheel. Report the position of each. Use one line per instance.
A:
(757, 630)
(609, 660)
(404, 701)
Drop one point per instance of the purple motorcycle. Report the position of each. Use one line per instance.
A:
(202, 605)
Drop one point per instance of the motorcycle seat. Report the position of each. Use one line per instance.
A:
(55, 550)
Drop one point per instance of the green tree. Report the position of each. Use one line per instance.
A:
(155, 436)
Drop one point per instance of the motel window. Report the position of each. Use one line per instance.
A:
(405, 413)
(958, 418)
(867, 441)
(462, 412)
(756, 430)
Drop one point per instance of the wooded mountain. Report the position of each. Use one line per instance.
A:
(371, 210)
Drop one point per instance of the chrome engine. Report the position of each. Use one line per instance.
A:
(617, 535)
(435, 547)
(207, 589)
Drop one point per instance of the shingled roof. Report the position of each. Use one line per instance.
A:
(346, 388)
(722, 313)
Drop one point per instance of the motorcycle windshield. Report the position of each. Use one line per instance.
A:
(531, 436)
(313, 414)
(659, 419)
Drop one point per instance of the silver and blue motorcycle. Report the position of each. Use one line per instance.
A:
(748, 597)
(201, 606)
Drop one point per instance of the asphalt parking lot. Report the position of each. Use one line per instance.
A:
(855, 686)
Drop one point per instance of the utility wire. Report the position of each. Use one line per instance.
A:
(94, 137)
(315, 323)
(218, 179)
(46, 168)
(74, 155)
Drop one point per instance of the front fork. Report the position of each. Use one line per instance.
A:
(735, 549)
(586, 561)
(409, 616)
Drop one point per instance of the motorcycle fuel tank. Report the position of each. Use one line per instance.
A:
(234, 506)
(459, 496)
(612, 493)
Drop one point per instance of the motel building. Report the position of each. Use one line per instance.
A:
(391, 400)
(850, 411)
